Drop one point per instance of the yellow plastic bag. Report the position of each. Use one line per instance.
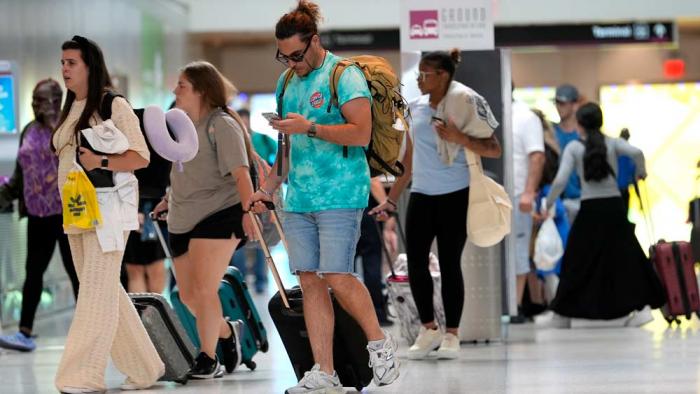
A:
(80, 208)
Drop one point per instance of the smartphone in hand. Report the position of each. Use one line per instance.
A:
(438, 121)
(270, 116)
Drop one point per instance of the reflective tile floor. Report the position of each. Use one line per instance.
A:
(652, 359)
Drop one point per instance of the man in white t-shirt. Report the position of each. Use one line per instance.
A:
(528, 161)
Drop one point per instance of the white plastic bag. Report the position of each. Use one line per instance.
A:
(548, 246)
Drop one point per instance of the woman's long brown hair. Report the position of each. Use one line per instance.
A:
(214, 88)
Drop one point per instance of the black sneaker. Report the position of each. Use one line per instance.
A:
(206, 368)
(231, 346)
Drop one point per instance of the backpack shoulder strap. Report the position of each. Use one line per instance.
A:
(287, 77)
(210, 126)
(283, 139)
(105, 110)
(336, 73)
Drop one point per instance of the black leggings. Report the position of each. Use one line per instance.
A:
(42, 235)
(443, 216)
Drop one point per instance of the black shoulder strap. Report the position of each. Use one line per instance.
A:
(105, 110)
(283, 139)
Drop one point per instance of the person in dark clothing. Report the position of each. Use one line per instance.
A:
(605, 273)
(369, 248)
(34, 185)
(144, 255)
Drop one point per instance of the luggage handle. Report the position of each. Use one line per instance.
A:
(644, 207)
(159, 234)
(381, 238)
(257, 224)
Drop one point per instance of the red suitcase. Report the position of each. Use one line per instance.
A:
(674, 264)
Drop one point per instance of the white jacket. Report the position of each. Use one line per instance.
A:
(119, 204)
(471, 114)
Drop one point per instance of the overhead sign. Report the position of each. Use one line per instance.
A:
(349, 40)
(7, 104)
(587, 34)
(446, 24)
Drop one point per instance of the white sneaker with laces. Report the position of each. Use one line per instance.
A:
(383, 361)
(426, 342)
(449, 348)
(316, 381)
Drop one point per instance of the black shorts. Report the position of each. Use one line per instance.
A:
(140, 252)
(219, 225)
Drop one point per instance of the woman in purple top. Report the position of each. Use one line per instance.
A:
(34, 184)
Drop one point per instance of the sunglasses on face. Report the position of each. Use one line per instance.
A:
(295, 57)
(423, 75)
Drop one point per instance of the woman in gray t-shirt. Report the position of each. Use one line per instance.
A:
(605, 273)
(206, 219)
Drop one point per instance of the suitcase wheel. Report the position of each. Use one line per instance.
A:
(264, 346)
(251, 365)
(359, 388)
(182, 381)
(669, 320)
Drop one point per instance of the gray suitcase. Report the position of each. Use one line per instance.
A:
(167, 334)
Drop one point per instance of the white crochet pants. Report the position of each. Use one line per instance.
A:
(105, 323)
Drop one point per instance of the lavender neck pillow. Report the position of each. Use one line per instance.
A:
(156, 124)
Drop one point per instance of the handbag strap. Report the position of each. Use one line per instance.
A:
(474, 163)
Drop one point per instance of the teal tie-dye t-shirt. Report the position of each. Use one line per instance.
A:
(320, 178)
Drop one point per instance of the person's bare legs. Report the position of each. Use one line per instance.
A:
(354, 297)
(137, 278)
(319, 318)
(155, 276)
(199, 273)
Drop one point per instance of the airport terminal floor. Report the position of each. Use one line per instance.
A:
(534, 359)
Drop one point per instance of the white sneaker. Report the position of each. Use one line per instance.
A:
(552, 320)
(640, 318)
(427, 341)
(449, 348)
(382, 360)
(128, 385)
(316, 381)
(79, 390)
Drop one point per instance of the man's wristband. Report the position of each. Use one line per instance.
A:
(392, 202)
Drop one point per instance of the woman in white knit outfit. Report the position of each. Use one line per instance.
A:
(105, 322)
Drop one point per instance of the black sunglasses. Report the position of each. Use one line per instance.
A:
(294, 57)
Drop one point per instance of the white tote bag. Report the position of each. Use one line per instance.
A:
(489, 214)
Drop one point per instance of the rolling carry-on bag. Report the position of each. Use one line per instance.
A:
(236, 304)
(350, 355)
(167, 334)
(400, 294)
(675, 266)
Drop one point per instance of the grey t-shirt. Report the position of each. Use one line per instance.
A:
(206, 185)
(572, 159)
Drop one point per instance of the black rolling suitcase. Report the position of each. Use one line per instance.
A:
(350, 355)
(167, 334)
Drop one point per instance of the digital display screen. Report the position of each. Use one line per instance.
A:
(664, 122)
(8, 110)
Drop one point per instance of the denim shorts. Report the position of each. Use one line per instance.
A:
(323, 241)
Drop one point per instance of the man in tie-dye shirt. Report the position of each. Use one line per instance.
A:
(328, 191)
